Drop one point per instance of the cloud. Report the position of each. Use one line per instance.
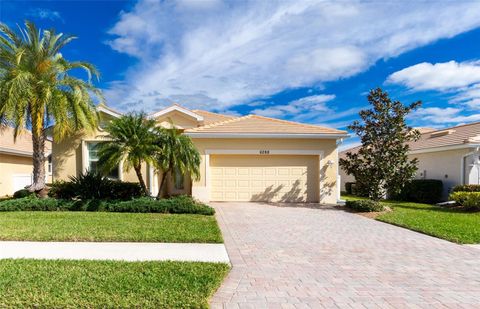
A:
(440, 76)
(312, 104)
(462, 80)
(226, 53)
(45, 14)
(435, 116)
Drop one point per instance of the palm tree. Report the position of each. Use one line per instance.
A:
(177, 152)
(36, 89)
(132, 140)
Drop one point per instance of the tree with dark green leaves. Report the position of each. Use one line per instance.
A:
(381, 166)
(37, 89)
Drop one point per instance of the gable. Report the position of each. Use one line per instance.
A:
(179, 119)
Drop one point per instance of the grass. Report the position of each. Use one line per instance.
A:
(450, 224)
(108, 284)
(105, 226)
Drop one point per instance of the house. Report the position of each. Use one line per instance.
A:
(16, 165)
(451, 155)
(250, 158)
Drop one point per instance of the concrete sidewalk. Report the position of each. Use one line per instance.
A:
(125, 251)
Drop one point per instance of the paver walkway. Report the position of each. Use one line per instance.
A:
(290, 257)
(113, 251)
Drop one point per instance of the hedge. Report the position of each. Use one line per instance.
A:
(469, 200)
(112, 190)
(427, 191)
(466, 188)
(174, 205)
(348, 187)
(364, 205)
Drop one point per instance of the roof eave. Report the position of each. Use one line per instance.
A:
(444, 148)
(268, 135)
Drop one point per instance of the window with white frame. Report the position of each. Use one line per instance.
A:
(49, 166)
(93, 164)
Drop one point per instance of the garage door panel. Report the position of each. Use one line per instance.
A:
(264, 178)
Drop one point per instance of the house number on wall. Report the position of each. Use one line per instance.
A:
(264, 151)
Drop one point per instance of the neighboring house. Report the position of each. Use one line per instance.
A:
(451, 155)
(16, 164)
(250, 158)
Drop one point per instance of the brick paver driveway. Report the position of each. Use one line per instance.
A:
(313, 258)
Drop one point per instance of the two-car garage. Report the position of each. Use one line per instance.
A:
(272, 178)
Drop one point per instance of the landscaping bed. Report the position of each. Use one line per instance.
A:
(452, 224)
(106, 226)
(107, 284)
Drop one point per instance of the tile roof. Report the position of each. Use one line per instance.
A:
(209, 117)
(23, 144)
(253, 124)
(454, 136)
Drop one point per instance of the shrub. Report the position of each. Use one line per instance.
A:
(469, 200)
(23, 193)
(364, 205)
(466, 188)
(175, 205)
(348, 187)
(421, 191)
(31, 203)
(90, 186)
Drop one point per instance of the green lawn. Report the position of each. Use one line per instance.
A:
(107, 226)
(450, 224)
(106, 284)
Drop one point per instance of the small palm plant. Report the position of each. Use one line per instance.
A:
(37, 90)
(131, 141)
(177, 152)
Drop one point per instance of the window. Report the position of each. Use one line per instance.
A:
(49, 168)
(179, 179)
(93, 161)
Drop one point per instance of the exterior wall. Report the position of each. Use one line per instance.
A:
(328, 173)
(472, 169)
(178, 119)
(68, 157)
(344, 178)
(442, 165)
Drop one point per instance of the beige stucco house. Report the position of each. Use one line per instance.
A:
(16, 165)
(250, 158)
(451, 155)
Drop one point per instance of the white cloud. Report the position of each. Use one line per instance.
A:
(440, 76)
(461, 80)
(44, 14)
(226, 53)
(311, 104)
(442, 116)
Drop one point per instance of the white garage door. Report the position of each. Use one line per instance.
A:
(277, 178)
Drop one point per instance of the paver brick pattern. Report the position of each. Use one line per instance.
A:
(294, 257)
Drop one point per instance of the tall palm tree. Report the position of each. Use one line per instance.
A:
(36, 89)
(131, 141)
(177, 152)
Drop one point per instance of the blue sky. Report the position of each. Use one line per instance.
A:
(310, 61)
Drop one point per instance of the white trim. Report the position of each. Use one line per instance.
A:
(21, 153)
(85, 157)
(178, 109)
(462, 174)
(108, 112)
(209, 152)
(265, 135)
(270, 152)
(444, 148)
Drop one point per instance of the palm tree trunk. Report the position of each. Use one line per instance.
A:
(162, 183)
(38, 140)
(138, 171)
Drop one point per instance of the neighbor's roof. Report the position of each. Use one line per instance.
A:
(22, 146)
(209, 117)
(464, 135)
(254, 124)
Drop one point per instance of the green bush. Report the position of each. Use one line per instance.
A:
(31, 203)
(466, 188)
(90, 186)
(427, 191)
(348, 187)
(174, 205)
(23, 193)
(364, 205)
(469, 200)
